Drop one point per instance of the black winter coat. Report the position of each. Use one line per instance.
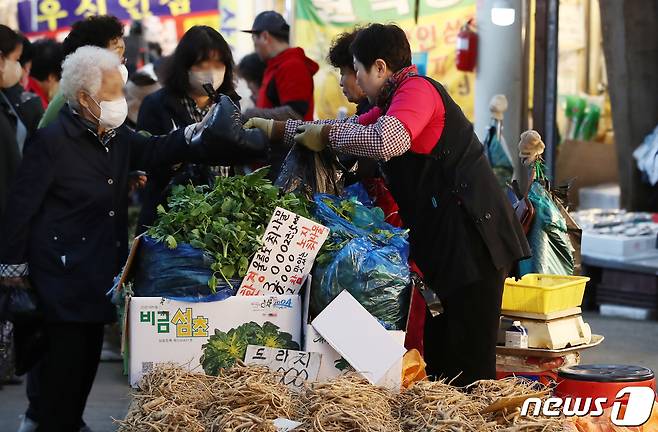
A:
(65, 210)
(29, 109)
(160, 113)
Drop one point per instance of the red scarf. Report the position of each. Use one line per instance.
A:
(391, 85)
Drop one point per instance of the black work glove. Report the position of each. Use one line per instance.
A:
(223, 141)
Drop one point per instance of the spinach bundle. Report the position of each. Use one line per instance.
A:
(227, 221)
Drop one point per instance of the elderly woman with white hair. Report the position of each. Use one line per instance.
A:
(61, 231)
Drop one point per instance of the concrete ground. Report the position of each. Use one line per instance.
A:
(109, 398)
(628, 342)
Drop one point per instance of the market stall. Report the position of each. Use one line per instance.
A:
(246, 308)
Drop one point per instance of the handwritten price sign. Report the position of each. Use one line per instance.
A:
(290, 245)
(295, 367)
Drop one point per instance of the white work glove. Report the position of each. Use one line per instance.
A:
(314, 137)
(264, 125)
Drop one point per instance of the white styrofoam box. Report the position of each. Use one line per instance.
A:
(333, 365)
(627, 312)
(606, 196)
(162, 330)
(617, 246)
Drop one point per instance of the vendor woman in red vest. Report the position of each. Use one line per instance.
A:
(463, 234)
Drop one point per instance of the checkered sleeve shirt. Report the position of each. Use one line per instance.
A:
(292, 125)
(382, 140)
(14, 270)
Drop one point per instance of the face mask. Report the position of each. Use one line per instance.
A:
(11, 73)
(213, 76)
(113, 113)
(124, 73)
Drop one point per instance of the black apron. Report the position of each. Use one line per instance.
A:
(464, 237)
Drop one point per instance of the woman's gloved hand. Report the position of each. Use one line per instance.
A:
(264, 125)
(531, 147)
(222, 140)
(313, 136)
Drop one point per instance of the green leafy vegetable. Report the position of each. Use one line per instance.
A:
(223, 349)
(228, 221)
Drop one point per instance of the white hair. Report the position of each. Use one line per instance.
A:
(83, 70)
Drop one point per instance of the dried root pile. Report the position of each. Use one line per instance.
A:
(250, 398)
(239, 399)
(484, 406)
(349, 403)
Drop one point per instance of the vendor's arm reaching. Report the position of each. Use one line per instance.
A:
(407, 126)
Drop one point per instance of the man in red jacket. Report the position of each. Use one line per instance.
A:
(287, 88)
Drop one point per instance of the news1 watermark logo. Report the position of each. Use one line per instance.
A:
(638, 401)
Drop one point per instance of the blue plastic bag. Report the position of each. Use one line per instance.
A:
(367, 222)
(358, 191)
(180, 273)
(372, 263)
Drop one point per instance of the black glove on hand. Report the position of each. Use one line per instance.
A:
(223, 141)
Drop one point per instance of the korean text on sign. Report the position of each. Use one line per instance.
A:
(295, 367)
(281, 265)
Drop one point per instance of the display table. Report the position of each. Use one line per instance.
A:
(631, 283)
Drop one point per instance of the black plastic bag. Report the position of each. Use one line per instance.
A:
(307, 172)
(17, 303)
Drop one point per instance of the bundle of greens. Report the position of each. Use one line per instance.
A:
(225, 348)
(227, 222)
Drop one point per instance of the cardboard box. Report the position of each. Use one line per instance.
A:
(588, 163)
(607, 196)
(332, 364)
(551, 334)
(617, 246)
(162, 330)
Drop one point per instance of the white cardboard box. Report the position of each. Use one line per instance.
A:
(358, 337)
(162, 330)
(332, 364)
(605, 196)
(617, 246)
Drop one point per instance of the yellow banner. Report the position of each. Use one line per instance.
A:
(435, 34)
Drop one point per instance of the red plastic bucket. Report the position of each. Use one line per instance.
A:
(601, 381)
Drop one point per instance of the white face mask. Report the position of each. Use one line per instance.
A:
(11, 73)
(213, 76)
(113, 113)
(124, 73)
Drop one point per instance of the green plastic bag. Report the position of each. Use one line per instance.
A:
(552, 252)
(495, 150)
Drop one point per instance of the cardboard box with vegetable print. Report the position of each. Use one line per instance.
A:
(208, 336)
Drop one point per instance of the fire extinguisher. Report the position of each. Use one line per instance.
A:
(467, 48)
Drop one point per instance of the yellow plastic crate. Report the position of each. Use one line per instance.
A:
(543, 294)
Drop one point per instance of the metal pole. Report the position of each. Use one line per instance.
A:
(550, 128)
(544, 108)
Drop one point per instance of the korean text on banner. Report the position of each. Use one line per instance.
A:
(433, 41)
(50, 15)
(295, 367)
(290, 245)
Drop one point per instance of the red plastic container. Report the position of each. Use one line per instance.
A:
(601, 381)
